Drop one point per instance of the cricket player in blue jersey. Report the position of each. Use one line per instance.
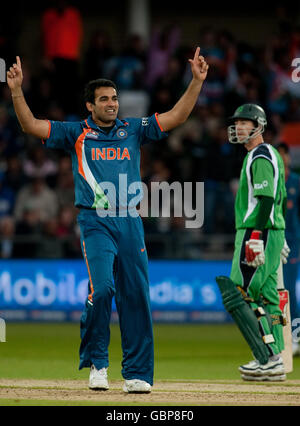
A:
(105, 149)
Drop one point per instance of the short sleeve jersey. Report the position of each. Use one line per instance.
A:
(262, 174)
(106, 166)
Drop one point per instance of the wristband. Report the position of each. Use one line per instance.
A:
(256, 235)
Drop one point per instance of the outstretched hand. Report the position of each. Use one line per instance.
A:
(198, 66)
(14, 75)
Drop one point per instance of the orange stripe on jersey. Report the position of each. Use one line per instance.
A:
(78, 149)
(49, 131)
(159, 125)
(90, 297)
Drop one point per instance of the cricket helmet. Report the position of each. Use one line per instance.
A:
(250, 112)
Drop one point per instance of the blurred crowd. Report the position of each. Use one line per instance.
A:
(37, 215)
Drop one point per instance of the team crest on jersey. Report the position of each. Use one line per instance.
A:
(122, 134)
(145, 121)
(93, 135)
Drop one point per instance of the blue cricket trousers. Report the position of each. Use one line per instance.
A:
(116, 258)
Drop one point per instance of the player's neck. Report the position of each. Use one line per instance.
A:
(253, 143)
(101, 123)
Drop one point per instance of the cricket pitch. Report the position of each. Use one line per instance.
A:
(176, 393)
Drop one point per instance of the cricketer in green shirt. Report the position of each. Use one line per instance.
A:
(259, 206)
(250, 294)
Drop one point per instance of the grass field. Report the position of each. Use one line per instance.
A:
(193, 364)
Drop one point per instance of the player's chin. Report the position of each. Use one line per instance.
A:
(111, 116)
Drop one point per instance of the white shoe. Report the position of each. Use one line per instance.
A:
(271, 371)
(98, 379)
(278, 378)
(136, 386)
(252, 368)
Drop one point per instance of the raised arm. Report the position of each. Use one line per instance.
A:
(28, 122)
(183, 108)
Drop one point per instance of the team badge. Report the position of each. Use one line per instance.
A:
(122, 134)
(93, 135)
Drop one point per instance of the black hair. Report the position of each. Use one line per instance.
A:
(89, 91)
(284, 147)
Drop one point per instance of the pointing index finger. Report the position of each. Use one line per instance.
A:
(18, 61)
(197, 53)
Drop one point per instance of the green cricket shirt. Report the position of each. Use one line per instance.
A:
(262, 174)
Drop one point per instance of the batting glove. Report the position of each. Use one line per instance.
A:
(255, 253)
(285, 253)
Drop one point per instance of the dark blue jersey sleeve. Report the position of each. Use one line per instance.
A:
(62, 135)
(151, 130)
